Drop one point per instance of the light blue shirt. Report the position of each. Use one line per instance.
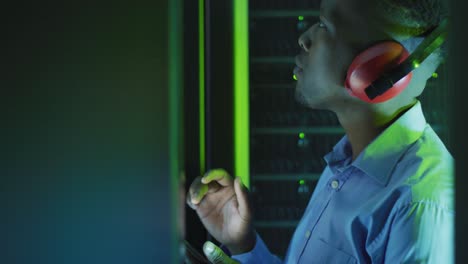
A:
(393, 204)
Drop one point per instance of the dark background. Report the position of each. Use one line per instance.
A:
(84, 135)
(458, 128)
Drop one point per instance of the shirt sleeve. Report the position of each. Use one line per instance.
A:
(258, 255)
(421, 233)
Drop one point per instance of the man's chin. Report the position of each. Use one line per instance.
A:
(308, 102)
(300, 98)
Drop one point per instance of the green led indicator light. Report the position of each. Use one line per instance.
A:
(435, 75)
(301, 182)
(301, 18)
(416, 64)
(301, 135)
(295, 77)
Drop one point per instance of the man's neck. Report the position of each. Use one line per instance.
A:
(363, 123)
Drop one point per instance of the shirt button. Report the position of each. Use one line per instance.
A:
(334, 184)
(307, 234)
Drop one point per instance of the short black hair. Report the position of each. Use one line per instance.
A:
(412, 18)
(407, 19)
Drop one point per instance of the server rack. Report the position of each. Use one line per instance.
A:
(287, 140)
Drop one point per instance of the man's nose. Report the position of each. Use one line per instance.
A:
(305, 41)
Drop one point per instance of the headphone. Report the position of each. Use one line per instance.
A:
(384, 70)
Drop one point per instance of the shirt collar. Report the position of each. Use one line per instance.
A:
(340, 157)
(380, 157)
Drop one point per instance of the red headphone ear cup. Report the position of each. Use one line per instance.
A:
(369, 65)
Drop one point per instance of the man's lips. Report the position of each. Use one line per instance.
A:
(297, 71)
(298, 62)
(299, 68)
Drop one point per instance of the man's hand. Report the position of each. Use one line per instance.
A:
(223, 207)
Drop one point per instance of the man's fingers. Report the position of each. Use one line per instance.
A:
(219, 175)
(197, 191)
(188, 200)
(242, 198)
(216, 255)
(213, 187)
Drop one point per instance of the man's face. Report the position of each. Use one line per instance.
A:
(328, 48)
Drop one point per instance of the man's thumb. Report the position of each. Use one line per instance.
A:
(216, 255)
